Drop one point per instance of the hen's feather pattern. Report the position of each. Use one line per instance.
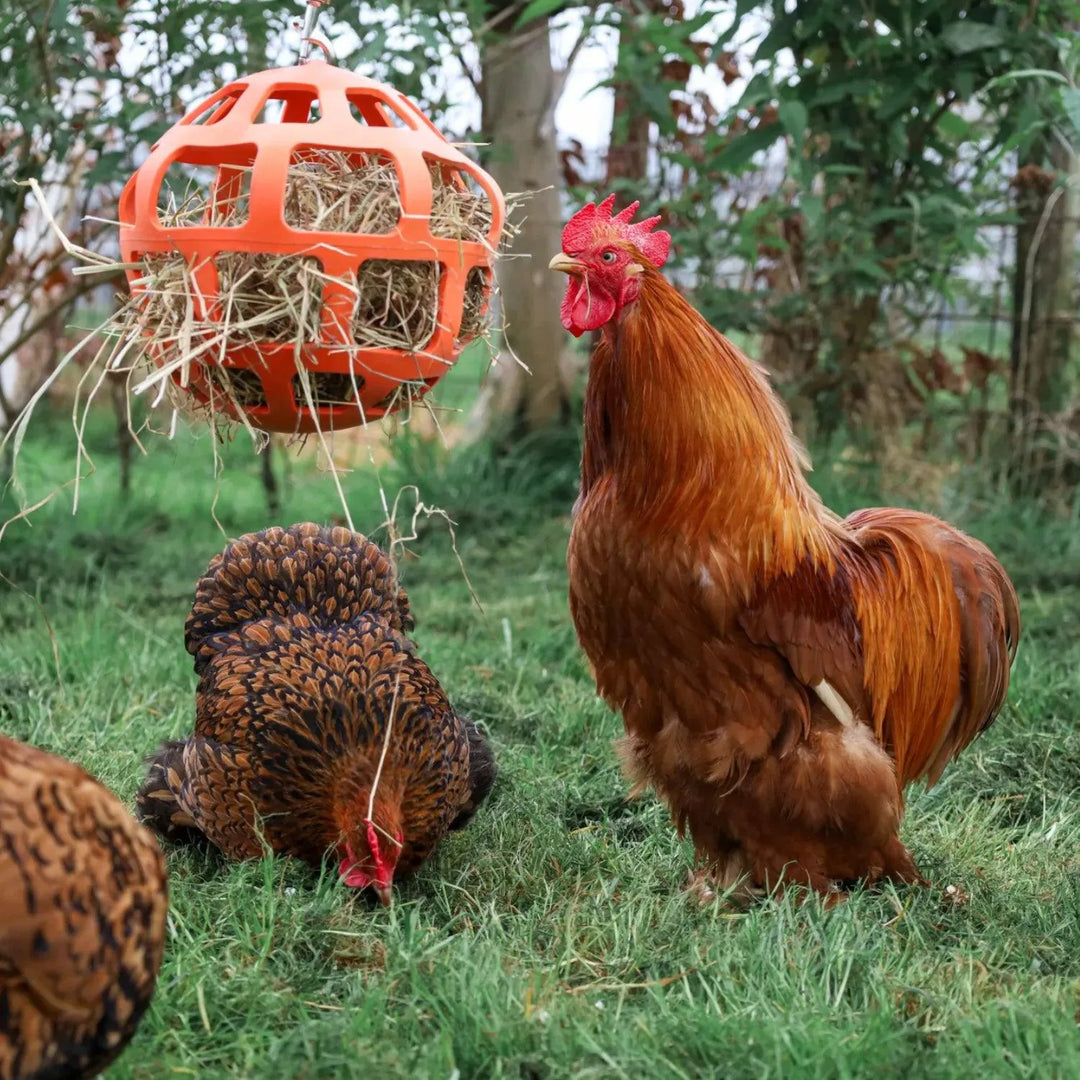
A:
(82, 918)
(299, 642)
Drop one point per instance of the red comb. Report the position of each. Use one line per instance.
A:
(581, 228)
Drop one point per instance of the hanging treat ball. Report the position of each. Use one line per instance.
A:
(307, 250)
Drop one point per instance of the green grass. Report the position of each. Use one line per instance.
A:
(551, 939)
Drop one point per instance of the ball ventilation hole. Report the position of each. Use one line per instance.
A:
(372, 111)
(269, 297)
(241, 386)
(173, 294)
(329, 389)
(184, 196)
(337, 191)
(210, 112)
(460, 210)
(477, 301)
(290, 107)
(405, 393)
(397, 304)
(196, 193)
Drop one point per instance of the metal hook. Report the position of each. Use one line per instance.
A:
(319, 44)
(311, 19)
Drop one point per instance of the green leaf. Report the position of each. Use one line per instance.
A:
(954, 125)
(871, 269)
(794, 118)
(813, 208)
(888, 213)
(1026, 73)
(743, 147)
(778, 37)
(1071, 100)
(899, 99)
(539, 9)
(965, 83)
(969, 36)
(838, 91)
(657, 100)
(758, 89)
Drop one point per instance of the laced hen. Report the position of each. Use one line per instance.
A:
(83, 899)
(782, 673)
(319, 730)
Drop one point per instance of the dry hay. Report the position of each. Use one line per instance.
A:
(397, 304)
(330, 191)
(328, 388)
(474, 312)
(275, 297)
(458, 213)
(241, 386)
(278, 298)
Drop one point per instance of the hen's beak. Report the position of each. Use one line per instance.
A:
(567, 265)
(385, 894)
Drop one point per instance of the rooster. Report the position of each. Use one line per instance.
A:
(83, 899)
(318, 729)
(782, 674)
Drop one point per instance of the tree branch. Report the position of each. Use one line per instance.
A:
(558, 84)
(11, 228)
(6, 411)
(447, 21)
(579, 44)
(917, 142)
(80, 288)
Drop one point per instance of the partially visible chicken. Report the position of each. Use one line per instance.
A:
(782, 674)
(83, 900)
(318, 729)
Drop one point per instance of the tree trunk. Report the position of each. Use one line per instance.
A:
(124, 438)
(627, 166)
(518, 98)
(631, 129)
(269, 479)
(1042, 331)
(791, 343)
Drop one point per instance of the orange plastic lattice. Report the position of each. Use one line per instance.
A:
(323, 108)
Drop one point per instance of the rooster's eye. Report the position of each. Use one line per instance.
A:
(608, 257)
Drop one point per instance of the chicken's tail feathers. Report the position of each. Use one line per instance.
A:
(330, 575)
(952, 668)
(482, 773)
(990, 631)
(157, 802)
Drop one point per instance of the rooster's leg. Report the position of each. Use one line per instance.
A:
(723, 876)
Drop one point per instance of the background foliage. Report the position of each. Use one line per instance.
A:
(878, 204)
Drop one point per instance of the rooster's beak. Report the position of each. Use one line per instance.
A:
(385, 894)
(566, 264)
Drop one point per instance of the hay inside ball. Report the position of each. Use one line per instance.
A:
(279, 298)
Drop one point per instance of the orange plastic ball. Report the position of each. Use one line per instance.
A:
(246, 137)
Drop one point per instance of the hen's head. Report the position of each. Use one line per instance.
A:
(603, 254)
(369, 858)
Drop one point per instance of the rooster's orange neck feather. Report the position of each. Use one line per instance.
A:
(694, 438)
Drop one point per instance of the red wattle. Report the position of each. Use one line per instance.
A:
(584, 308)
(354, 877)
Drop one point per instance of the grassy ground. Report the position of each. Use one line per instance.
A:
(551, 939)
